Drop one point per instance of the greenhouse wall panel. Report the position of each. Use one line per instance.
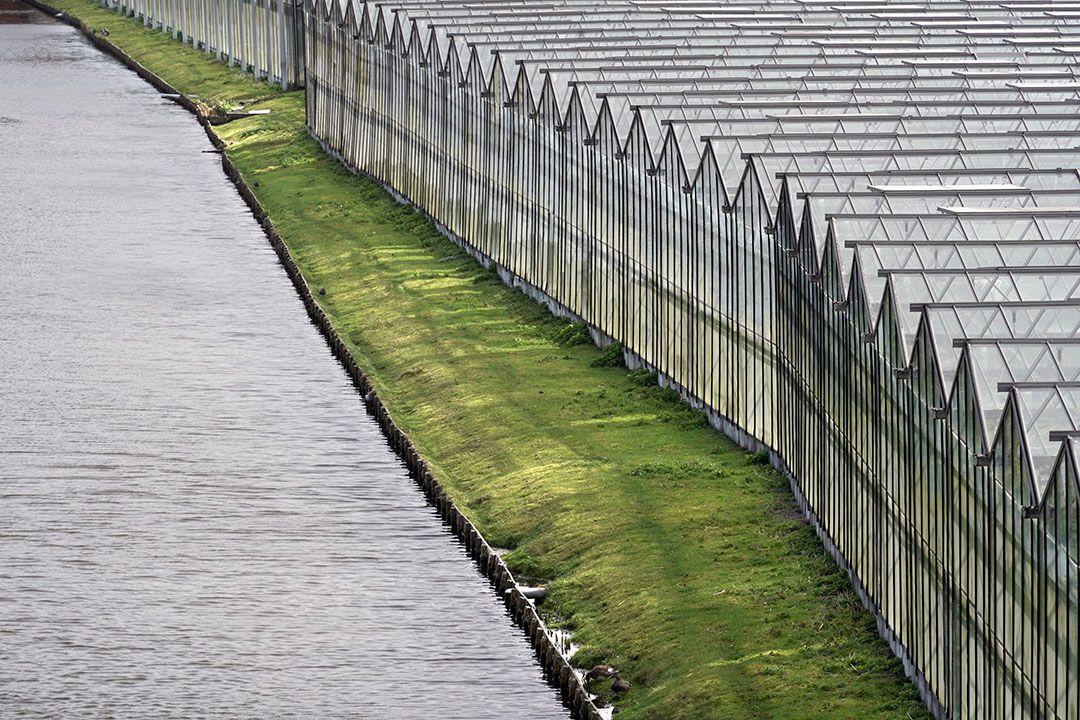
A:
(264, 37)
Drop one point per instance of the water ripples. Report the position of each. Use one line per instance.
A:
(197, 519)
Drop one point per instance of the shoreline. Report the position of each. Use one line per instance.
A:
(557, 669)
(423, 472)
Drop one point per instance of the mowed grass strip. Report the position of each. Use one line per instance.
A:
(670, 553)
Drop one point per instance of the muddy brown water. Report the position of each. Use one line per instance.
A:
(197, 517)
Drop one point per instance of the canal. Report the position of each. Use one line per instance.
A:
(197, 517)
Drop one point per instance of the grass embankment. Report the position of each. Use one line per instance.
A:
(673, 555)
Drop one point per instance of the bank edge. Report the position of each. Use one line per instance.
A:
(557, 668)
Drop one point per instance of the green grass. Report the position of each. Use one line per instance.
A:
(673, 555)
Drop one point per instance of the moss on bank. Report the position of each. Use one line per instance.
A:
(672, 555)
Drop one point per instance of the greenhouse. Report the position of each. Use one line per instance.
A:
(849, 230)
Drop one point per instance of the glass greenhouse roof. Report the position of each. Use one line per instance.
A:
(936, 144)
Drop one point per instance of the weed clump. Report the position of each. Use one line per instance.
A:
(760, 457)
(611, 356)
(572, 334)
(642, 377)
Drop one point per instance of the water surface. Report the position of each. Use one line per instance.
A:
(196, 516)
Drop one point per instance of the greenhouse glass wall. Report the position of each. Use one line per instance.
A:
(848, 229)
(264, 37)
